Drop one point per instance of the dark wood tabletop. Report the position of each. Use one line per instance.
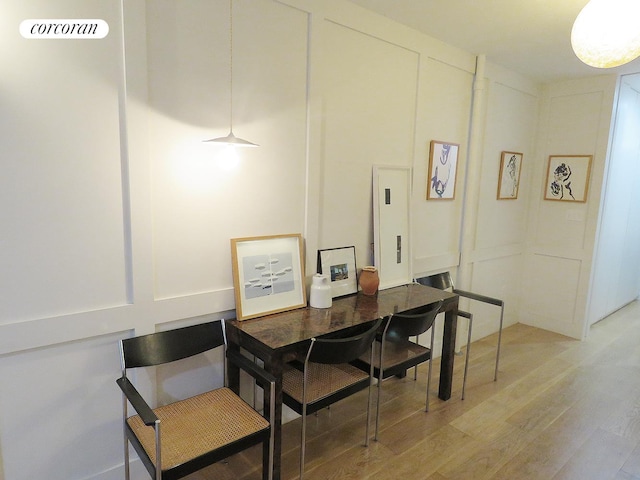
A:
(287, 329)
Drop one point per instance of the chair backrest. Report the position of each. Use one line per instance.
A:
(441, 281)
(403, 325)
(342, 350)
(163, 347)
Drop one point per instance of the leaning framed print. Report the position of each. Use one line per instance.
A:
(568, 178)
(509, 179)
(268, 274)
(340, 265)
(443, 167)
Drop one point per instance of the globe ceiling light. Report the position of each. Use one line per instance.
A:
(606, 33)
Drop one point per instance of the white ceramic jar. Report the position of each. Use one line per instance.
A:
(320, 296)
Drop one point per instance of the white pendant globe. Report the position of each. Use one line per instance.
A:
(606, 33)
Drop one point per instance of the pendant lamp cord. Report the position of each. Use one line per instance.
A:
(231, 65)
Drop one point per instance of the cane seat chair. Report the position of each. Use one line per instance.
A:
(326, 376)
(443, 281)
(394, 352)
(187, 435)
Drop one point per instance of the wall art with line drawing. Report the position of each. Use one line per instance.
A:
(568, 178)
(443, 166)
(509, 180)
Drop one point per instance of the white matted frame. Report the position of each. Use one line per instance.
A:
(392, 225)
(340, 265)
(568, 178)
(443, 169)
(509, 180)
(268, 274)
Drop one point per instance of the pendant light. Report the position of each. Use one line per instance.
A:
(606, 33)
(231, 139)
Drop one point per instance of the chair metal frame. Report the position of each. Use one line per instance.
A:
(168, 346)
(402, 326)
(443, 281)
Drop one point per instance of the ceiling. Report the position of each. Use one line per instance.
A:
(531, 37)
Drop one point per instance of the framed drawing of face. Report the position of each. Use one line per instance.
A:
(443, 168)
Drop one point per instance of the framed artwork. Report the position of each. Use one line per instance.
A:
(509, 180)
(568, 178)
(443, 167)
(268, 275)
(340, 265)
(392, 225)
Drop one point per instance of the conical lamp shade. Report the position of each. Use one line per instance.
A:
(606, 33)
(231, 139)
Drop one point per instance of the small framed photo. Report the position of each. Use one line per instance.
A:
(340, 265)
(509, 180)
(443, 168)
(568, 178)
(268, 275)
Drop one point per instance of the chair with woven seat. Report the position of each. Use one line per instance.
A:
(443, 281)
(187, 435)
(326, 377)
(393, 353)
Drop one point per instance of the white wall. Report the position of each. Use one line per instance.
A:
(117, 218)
(616, 269)
(575, 120)
(497, 228)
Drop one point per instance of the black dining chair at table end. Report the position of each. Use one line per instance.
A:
(187, 435)
(443, 281)
(325, 376)
(394, 352)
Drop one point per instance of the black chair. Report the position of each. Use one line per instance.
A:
(182, 437)
(443, 281)
(393, 353)
(326, 377)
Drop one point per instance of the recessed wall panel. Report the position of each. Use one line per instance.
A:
(369, 103)
(200, 198)
(62, 246)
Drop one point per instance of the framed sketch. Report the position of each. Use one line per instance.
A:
(509, 180)
(268, 275)
(443, 167)
(568, 178)
(340, 265)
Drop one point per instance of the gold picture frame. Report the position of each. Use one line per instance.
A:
(509, 179)
(567, 178)
(268, 274)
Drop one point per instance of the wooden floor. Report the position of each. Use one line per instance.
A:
(561, 409)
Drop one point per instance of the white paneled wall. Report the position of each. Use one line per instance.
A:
(62, 236)
(117, 217)
(368, 118)
(198, 202)
(574, 120)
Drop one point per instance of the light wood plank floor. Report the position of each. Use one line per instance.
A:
(561, 409)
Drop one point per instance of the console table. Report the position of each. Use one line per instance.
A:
(277, 338)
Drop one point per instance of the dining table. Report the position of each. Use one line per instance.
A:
(280, 337)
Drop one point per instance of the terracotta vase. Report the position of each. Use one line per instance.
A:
(369, 280)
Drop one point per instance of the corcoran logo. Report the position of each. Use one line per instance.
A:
(64, 28)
